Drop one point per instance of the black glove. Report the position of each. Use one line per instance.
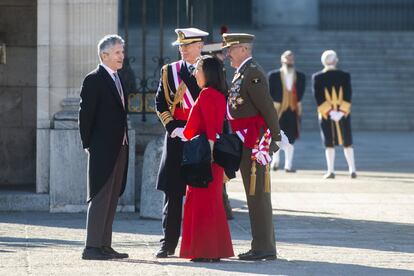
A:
(273, 147)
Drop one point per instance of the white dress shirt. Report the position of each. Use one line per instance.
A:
(240, 66)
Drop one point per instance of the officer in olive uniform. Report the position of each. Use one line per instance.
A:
(333, 95)
(177, 92)
(253, 117)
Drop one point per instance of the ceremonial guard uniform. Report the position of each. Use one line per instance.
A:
(253, 117)
(175, 96)
(333, 96)
(287, 87)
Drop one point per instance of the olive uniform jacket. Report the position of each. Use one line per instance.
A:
(249, 96)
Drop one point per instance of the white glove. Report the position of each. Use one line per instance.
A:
(178, 132)
(336, 115)
(284, 141)
(332, 115)
(340, 114)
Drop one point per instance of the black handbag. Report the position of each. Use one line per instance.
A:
(228, 151)
(196, 162)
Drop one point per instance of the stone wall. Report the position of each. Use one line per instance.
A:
(299, 13)
(18, 93)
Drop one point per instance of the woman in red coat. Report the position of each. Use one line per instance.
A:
(206, 234)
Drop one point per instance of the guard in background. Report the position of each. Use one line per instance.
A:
(333, 95)
(215, 49)
(287, 87)
(176, 94)
(254, 119)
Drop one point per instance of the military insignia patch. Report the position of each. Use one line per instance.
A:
(256, 80)
(239, 100)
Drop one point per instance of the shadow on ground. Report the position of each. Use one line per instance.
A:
(307, 228)
(280, 266)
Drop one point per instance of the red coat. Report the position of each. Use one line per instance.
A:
(207, 115)
(206, 233)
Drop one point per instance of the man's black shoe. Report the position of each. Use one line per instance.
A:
(116, 255)
(290, 170)
(95, 253)
(164, 253)
(253, 255)
(353, 175)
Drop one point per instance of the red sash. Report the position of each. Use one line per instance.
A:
(249, 128)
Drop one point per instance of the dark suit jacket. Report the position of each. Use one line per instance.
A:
(276, 89)
(169, 177)
(102, 124)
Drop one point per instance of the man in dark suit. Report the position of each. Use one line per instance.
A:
(104, 134)
(176, 94)
(333, 95)
(287, 86)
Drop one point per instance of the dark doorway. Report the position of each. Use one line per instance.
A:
(18, 95)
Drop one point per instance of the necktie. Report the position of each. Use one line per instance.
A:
(119, 87)
(191, 69)
(121, 94)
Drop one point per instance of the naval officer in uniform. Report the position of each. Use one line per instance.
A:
(176, 94)
(253, 117)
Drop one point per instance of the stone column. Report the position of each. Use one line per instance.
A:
(43, 87)
(69, 31)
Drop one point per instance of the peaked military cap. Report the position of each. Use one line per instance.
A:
(189, 35)
(212, 48)
(230, 39)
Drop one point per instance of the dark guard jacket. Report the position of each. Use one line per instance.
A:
(332, 91)
(289, 113)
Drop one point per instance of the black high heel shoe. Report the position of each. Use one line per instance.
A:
(205, 260)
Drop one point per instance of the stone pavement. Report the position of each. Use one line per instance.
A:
(362, 226)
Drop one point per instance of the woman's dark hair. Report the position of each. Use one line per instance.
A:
(214, 74)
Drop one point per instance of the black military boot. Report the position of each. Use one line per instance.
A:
(226, 202)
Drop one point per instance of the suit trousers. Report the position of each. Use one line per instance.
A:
(260, 206)
(171, 220)
(102, 208)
